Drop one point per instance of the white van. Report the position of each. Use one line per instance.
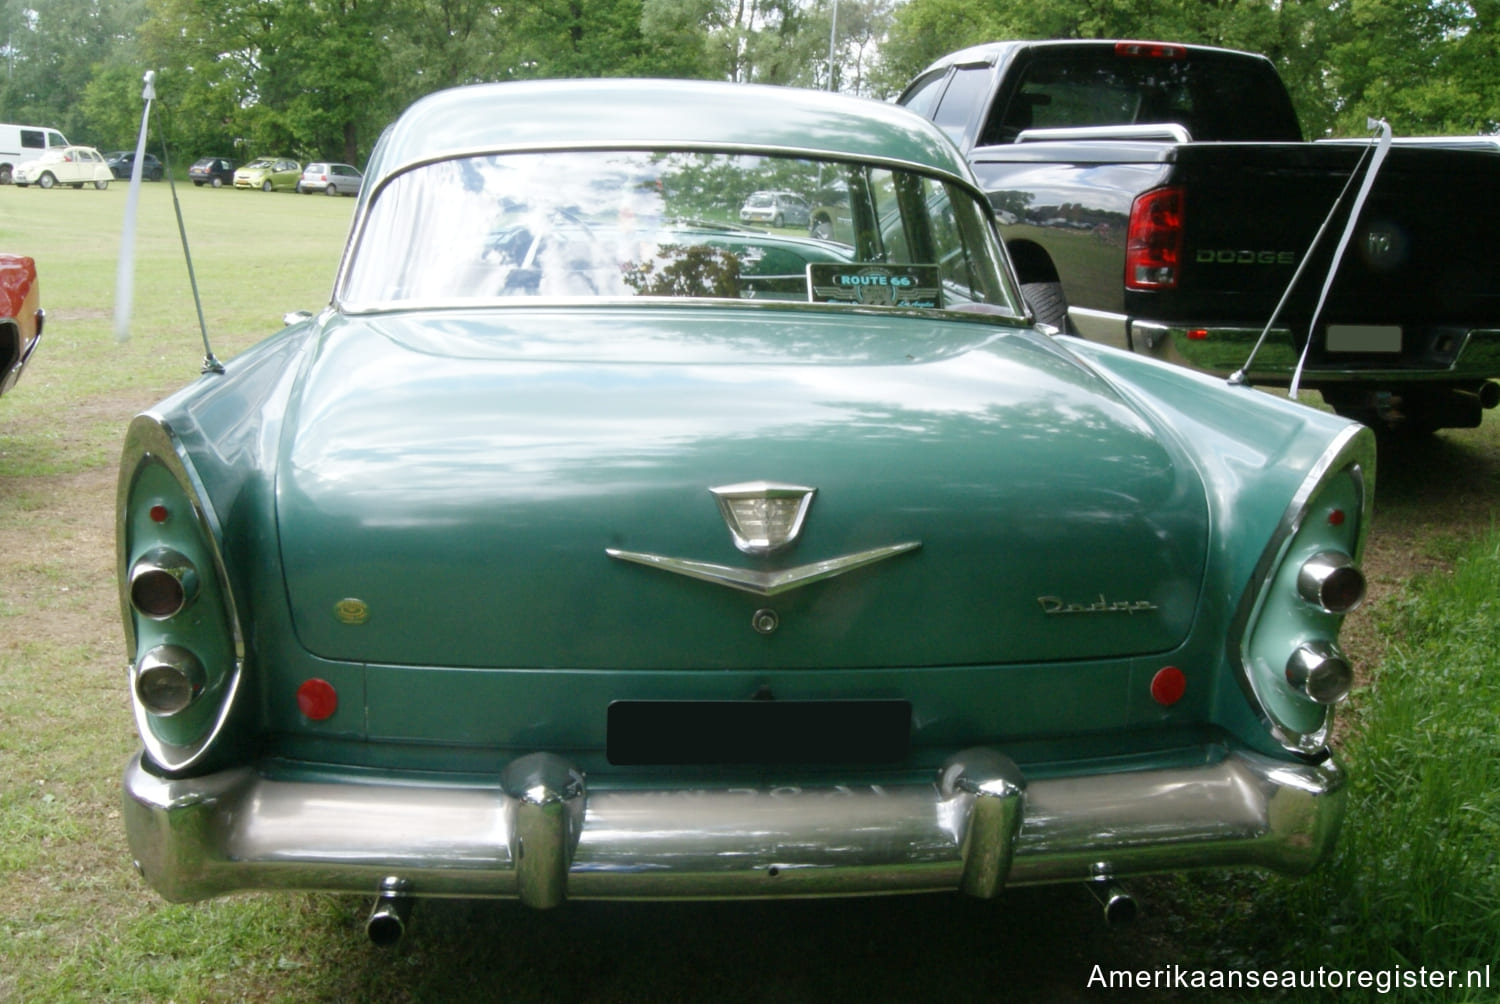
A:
(20, 143)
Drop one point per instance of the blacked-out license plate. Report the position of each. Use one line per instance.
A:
(1384, 338)
(756, 732)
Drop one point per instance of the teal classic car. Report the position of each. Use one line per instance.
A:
(590, 544)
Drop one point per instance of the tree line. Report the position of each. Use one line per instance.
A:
(319, 79)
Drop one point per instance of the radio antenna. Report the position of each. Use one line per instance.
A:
(1378, 147)
(125, 276)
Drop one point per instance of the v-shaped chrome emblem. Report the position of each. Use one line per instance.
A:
(760, 583)
(762, 516)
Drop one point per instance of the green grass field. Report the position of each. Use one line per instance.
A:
(1416, 882)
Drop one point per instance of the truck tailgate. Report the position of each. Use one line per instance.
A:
(1423, 252)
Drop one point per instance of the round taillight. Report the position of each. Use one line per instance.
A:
(168, 679)
(317, 699)
(162, 583)
(1331, 581)
(1320, 672)
(1168, 686)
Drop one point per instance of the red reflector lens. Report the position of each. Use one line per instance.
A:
(1168, 685)
(317, 699)
(1153, 244)
(1151, 50)
(159, 513)
(1197, 335)
(1336, 518)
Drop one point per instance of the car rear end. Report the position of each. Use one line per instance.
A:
(214, 171)
(1412, 308)
(709, 595)
(315, 178)
(577, 694)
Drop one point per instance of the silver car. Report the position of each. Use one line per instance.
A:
(780, 209)
(331, 179)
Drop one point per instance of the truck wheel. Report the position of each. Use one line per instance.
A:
(1047, 302)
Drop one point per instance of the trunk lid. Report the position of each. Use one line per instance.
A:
(453, 484)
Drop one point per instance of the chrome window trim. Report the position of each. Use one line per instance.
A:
(370, 192)
(1016, 322)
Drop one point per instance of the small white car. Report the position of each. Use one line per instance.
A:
(779, 209)
(68, 165)
(331, 179)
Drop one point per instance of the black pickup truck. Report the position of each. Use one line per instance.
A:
(1160, 197)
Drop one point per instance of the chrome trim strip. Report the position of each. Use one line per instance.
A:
(1223, 351)
(1101, 326)
(150, 439)
(976, 824)
(1168, 132)
(1352, 450)
(1478, 357)
(1013, 322)
(764, 583)
(39, 322)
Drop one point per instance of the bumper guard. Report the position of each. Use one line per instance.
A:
(539, 835)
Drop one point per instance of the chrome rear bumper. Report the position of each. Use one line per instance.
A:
(541, 836)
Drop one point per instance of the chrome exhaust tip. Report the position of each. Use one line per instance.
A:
(1119, 905)
(389, 915)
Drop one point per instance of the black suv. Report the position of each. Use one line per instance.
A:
(121, 161)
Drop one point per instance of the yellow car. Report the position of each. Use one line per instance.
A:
(268, 175)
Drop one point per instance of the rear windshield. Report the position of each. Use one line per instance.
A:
(625, 223)
(1214, 97)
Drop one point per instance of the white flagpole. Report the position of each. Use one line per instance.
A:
(125, 273)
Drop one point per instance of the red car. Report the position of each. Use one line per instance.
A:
(21, 316)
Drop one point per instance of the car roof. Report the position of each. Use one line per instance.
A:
(542, 114)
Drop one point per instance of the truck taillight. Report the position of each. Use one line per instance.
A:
(1151, 50)
(1153, 247)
